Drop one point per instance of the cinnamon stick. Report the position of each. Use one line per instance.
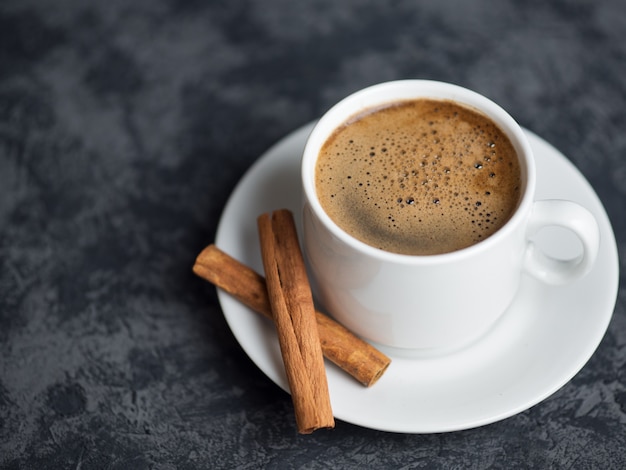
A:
(339, 345)
(294, 315)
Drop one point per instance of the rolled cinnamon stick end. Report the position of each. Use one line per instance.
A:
(339, 345)
(291, 300)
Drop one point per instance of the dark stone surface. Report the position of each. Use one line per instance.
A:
(124, 127)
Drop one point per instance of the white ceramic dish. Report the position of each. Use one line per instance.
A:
(537, 346)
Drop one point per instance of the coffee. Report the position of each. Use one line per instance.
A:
(419, 177)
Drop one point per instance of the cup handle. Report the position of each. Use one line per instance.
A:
(573, 217)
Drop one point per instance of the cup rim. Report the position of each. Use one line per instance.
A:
(387, 92)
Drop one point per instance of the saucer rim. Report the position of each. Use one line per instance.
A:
(297, 138)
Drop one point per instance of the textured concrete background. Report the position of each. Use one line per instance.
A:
(124, 126)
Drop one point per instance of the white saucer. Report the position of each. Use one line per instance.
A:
(540, 343)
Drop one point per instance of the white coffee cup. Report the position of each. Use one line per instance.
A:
(435, 303)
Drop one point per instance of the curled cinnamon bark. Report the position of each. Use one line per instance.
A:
(290, 296)
(339, 345)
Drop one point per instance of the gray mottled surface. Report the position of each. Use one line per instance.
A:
(124, 126)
